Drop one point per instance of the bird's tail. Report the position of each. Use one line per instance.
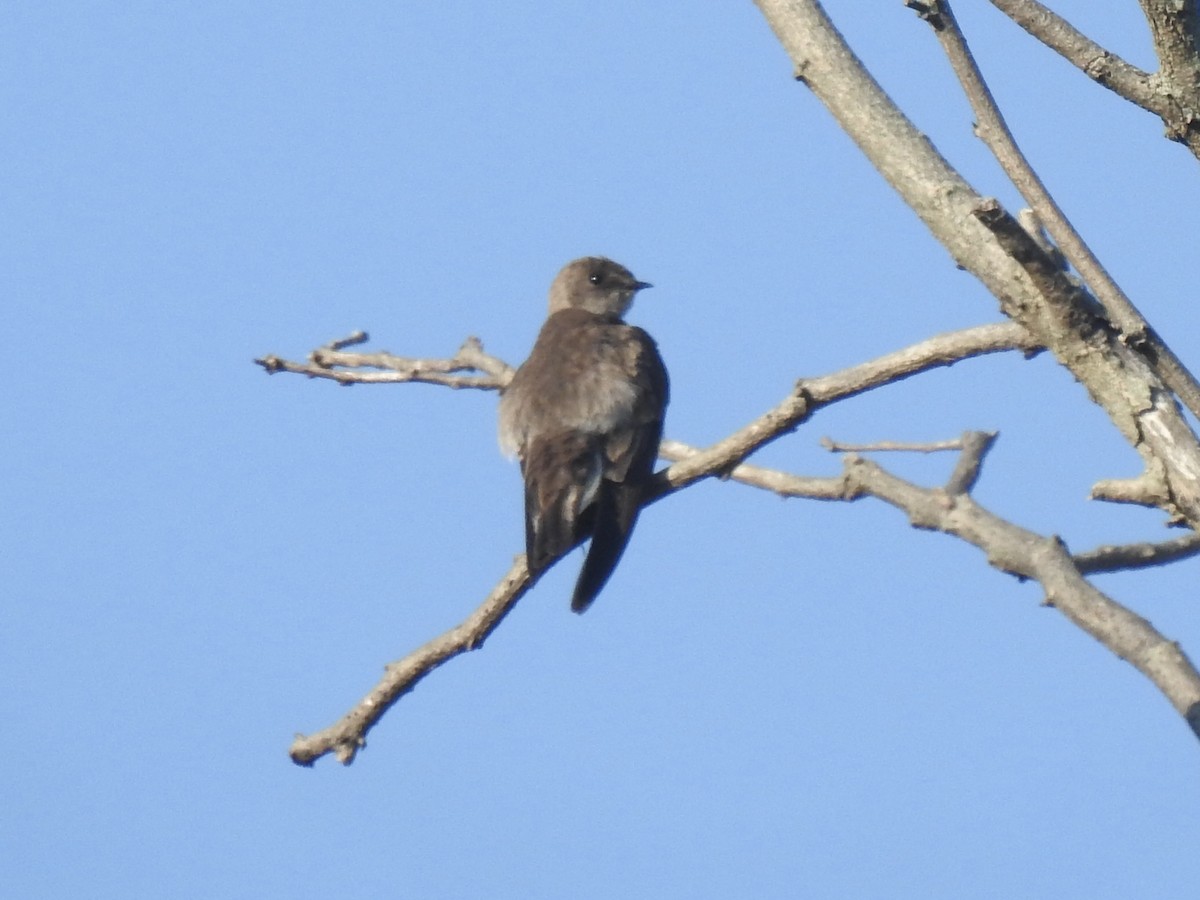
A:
(615, 514)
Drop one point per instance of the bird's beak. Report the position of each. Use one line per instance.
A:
(641, 285)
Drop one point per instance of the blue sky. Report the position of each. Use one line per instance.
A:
(771, 698)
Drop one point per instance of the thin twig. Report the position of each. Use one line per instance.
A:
(349, 734)
(785, 484)
(1026, 554)
(976, 445)
(358, 337)
(1106, 558)
(1121, 557)
(334, 363)
(891, 446)
(810, 394)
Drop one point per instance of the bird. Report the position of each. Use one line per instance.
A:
(584, 417)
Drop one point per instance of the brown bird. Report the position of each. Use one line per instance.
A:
(584, 415)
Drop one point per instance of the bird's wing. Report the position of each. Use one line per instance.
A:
(632, 450)
(563, 473)
(630, 453)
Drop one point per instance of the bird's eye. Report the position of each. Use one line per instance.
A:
(596, 279)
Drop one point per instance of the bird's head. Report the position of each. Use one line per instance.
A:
(596, 284)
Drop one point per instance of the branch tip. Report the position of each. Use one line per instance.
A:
(975, 446)
(931, 12)
(357, 337)
(270, 364)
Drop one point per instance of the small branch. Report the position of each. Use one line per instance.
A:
(1171, 93)
(1101, 65)
(1175, 26)
(993, 131)
(976, 445)
(349, 734)
(778, 482)
(1148, 489)
(1107, 558)
(1019, 552)
(358, 337)
(333, 363)
(1119, 557)
(1026, 554)
(889, 446)
(940, 350)
(810, 394)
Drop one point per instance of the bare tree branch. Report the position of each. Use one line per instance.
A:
(785, 484)
(973, 447)
(348, 735)
(1147, 489)
(1046, 560)
(1175, 26)
(1107, 558)
(939, 350)
(1017, 551)
(1118, 557)
(810, 394)
(892, 446)
(1101, 65)
(1171, 93)
(976, 444)
(1116, 376)
(332, 362)
(994, 132)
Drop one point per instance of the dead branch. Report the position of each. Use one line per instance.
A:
(334, 363)
(1123, 557)
(1106, 558)
(1171, 93)
(1019, 552)
(994, 132)
(1098, 63)
(348, 735)
(1116, 376)
(892, 446)
(1175, 28)
(345, 737)
(1046, 560)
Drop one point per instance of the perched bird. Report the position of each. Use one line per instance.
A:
(584, 415)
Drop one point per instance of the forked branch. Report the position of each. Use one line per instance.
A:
(348, 735)
(994, 132)
(1118, 374)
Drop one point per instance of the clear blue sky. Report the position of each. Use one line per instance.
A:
(770, 699)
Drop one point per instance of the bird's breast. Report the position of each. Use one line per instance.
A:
(579, 377)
